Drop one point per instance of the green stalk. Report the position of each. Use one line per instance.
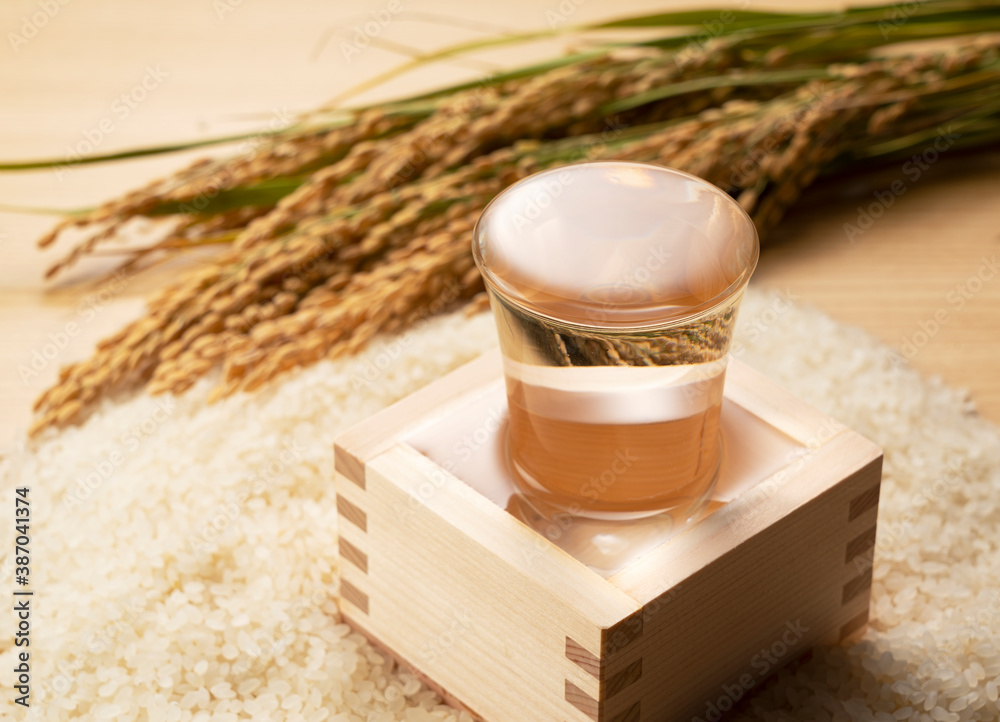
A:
(753, 79)
(126, 154)
(265, 193)
(971, 117)
(857, 30)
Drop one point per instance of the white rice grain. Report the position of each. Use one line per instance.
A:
(184, 554)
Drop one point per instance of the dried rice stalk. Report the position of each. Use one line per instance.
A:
(365, 246)
(193, 186)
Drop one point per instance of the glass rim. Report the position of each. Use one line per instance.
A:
(690, 313)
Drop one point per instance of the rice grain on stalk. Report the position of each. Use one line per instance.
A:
(203, 180)
(377, 236)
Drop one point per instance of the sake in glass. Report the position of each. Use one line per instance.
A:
(615, 288)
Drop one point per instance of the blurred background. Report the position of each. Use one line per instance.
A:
(118, 75)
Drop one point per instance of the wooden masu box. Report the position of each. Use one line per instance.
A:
(509, 624)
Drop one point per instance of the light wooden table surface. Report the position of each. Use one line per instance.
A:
(219, 66)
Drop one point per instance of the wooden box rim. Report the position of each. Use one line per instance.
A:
(832, 448)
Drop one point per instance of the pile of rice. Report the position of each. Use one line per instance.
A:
(184, 554)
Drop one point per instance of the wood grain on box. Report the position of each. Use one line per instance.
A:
(515, 628)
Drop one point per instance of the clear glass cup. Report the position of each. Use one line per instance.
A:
(615, 288)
